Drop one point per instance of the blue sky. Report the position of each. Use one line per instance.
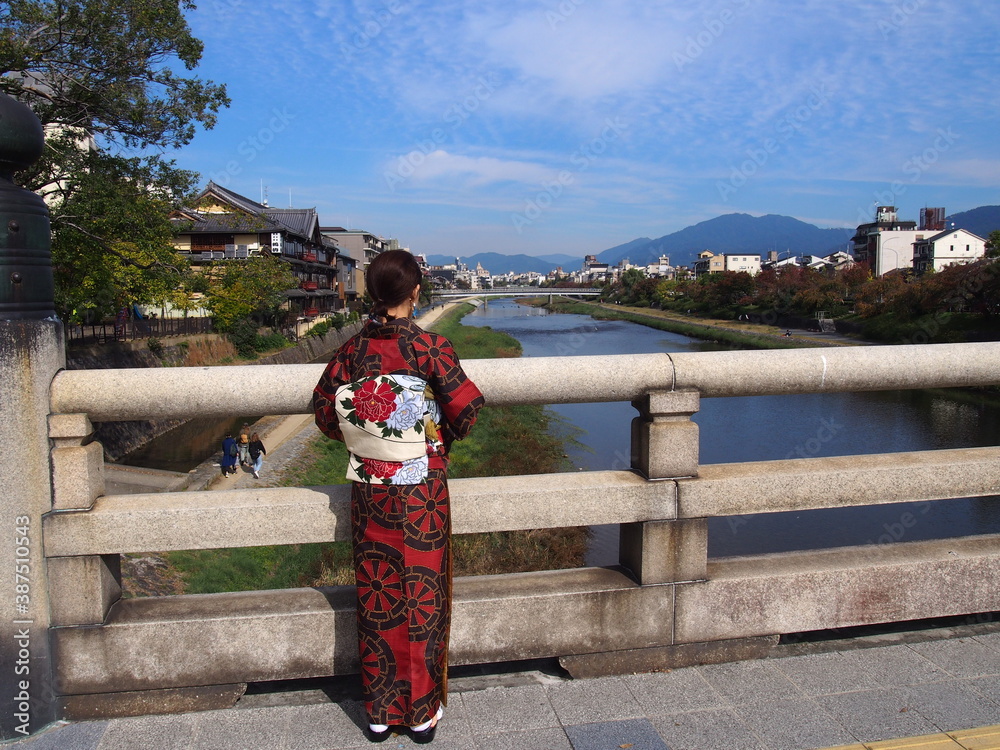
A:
(571, 126)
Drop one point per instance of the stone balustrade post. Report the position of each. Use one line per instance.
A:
(77, 462)
(81, 589)
(664, 447)
(32, 351)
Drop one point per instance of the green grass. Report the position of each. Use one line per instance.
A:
(694, 330)
(474, 342)
(507, 440)
(248, 568)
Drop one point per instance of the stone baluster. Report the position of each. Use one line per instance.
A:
(82, 589)
(664, 447)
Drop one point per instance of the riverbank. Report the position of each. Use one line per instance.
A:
(119, 439)
(736, 333)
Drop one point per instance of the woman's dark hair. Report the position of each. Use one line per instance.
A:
(390, 279)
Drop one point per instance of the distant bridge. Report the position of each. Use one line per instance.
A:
(516, 291)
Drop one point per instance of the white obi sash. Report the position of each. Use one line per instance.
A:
(387, 422)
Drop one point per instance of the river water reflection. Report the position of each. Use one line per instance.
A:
(762, 428)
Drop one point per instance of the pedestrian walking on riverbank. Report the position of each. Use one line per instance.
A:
(230, 452)
(243, 444)
(409, 381)
(257, 453)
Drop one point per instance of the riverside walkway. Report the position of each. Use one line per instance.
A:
(926, 690)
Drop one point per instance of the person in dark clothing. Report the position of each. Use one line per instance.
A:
(257, 453)
(229, 455)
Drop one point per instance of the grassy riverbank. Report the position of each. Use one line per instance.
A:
(505, 441)
(742, 335)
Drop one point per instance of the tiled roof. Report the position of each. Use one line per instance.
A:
(234, 199)
(231, 223)
(946, 232)
(301, 221)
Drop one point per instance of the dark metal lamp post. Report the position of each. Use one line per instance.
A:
(26, 285)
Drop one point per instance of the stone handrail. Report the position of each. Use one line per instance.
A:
(666, 604)
(286, 389)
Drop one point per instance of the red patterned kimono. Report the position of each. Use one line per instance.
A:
(402, 533)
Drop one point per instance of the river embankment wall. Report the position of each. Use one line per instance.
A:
(120, 438)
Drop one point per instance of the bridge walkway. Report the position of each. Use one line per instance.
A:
(932, 690)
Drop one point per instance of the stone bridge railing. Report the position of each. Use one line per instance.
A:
(666, 604)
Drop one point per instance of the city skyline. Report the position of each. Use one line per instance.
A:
(574, 126)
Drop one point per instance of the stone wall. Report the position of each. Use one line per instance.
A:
(121, 438)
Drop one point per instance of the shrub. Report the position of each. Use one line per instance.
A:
(243, 335)
(320, 329)
(269, 342)
(155, 345)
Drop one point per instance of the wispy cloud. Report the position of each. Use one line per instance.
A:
(496, 101)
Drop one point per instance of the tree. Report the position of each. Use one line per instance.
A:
(993, 244)
(100, 77)
(242, 289)
(113, 244)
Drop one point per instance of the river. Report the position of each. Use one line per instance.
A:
(762, 428)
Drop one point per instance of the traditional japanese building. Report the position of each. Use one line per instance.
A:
(227, 226)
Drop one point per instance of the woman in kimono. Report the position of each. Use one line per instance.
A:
(397, 396)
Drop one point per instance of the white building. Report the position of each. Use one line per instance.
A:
(661, 269)
(886, 244)
(742, 262)
(949, 248)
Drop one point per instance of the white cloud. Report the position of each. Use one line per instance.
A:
(439, 165)
(700, 86)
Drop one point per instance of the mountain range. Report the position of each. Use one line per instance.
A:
(730, 233)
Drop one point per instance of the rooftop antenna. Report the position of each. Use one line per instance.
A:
(289, 197)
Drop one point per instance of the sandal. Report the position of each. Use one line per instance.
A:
(424, 733)
(377, 732)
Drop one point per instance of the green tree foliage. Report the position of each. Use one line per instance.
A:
(993, 244)
(245, 289)
(112, 242)
(101, 78)
(635, 289)
(898, 298)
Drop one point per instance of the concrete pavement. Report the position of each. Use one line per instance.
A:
(916, 690)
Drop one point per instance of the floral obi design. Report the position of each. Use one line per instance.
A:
(389, 424)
